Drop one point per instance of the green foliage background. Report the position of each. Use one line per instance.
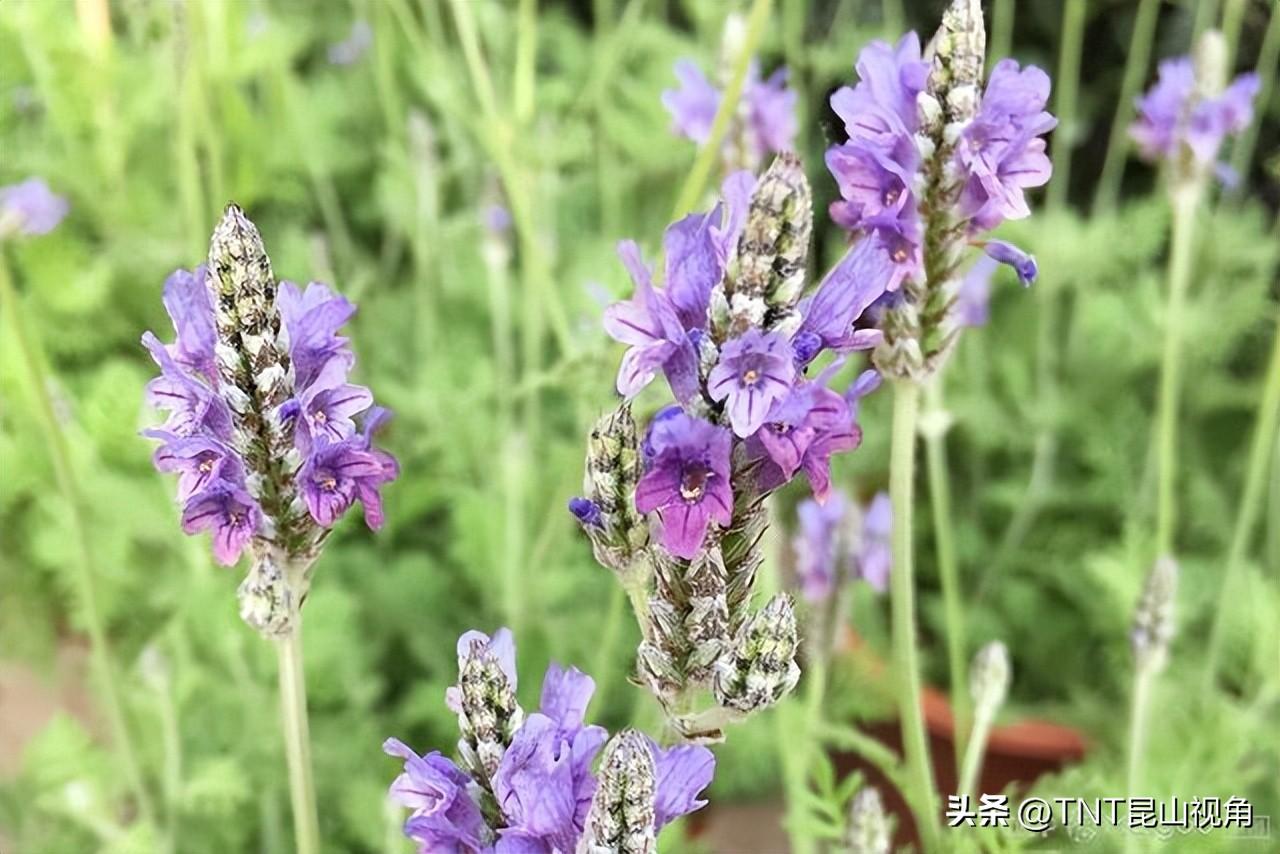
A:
(375, 177)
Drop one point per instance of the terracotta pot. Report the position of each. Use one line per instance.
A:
(1017, 753)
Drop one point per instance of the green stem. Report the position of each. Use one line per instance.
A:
(1185, 198)
(1232, 21)
(848, 738)
(604, 657)
(1142, 679)
(1206, 11)
(1135, 69)
(796, 747)
(1264, 436)
(906, 658)
(948, 572)
(297, 742)
(1068, 83)
(973, 755)
(526, 60)
(1268, 60)
(709, 153)
(1001, 31)
(56, 442)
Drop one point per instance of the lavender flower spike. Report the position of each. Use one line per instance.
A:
(622, 815)
(30, 208)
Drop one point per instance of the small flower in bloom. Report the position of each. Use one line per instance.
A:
(874, 558)
(337, 474)
(357, 43)
(1176, 115)
(687, 482)
(444, 816)
(199, 461)
(1022, 263)
(767, 113)
(817, 546)
(681, 773)
(844, 295)
(30, 208)
(229, 513)
(186, 299)
(755, 370)
(312, 317)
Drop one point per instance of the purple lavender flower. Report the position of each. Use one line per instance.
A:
(30, 208)
(229, 513)
(699, 248)
(681, 772)
(1022, 263)
(192, 405)
(186, 299)
(755, 370)
(768, 108)
(326, 409)
(444, 816)
(874, 557)
(1174, 114)
(586, 511)
(843, 296)
(972, 307)
(1001, 150)
(687, 481)
(337, 474)
(817, 546)
(803, 434)
(357, 43)
(312, 318)
(199, 461)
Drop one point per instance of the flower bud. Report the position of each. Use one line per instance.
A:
(869, 830)
(959, 53)
(989, 679)
(760, 667)
(623, 809)
(485, 700)
(774, 245)
(1153, 618)
(608, 513)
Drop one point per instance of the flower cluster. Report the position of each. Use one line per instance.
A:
(30, 208)
(270, 442)
(1187, 114)
(536, 792)
(933, 161)
(839, 542)
(764, 124)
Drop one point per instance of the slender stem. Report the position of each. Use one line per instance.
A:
(906, 398)
(1185, 199)
(612, 629)
(1268, 60)
(797, 742)
(1135, 69)
(1232, 21)
(297, 742)
(848, 738)
(59, 454)
(709, 153)
(1264, 436)
(1001, 31)
(973, 755)
(1068, 83)
(1206, 11)
(526, 56)
(1142, 679)
(935, 442)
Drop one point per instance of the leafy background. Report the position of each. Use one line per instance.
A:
(376, 176)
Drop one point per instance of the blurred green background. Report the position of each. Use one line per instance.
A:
(376, 175)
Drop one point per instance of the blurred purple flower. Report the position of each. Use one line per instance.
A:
(768, 108)
(357, 43)
(972, 307)
(687, 481)
(874, 558)
(817, 546)
(1174, 114)
(30, 208)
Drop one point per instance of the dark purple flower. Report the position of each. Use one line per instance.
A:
(312, 318)
(680, 774)
(1174, 113)
(198, 460)
(444, 816)
(699, 248)
(1022, 263)
(337, 474)
(648, 323)
(972, 306)
(794, 423)
(30, 208)
(755, 370)
(817, 546)
(186, 299)
(354, 46)
(229, 513)
(586, 511)
(687, 481)
(193, 407)
(874, 558)
(853, 285)
(1001, 150)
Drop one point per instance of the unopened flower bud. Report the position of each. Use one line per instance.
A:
(869, 830)
(623, 810)
(607, 512)
(1153, 618)
(269, 599)
(775, 243)
(989, 679)
(959, 53)
(1210, 62)
(485, 700)
(760, 667)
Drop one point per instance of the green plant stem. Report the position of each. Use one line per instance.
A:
(906, 658)
(1268, 60)
(1206, 11)
(1185, 199)
(297, 742)
(1232, 21)
(848, 738)
(526, 60)
(1002, 13)
(709, 153)
(1068, 83)
(935, 442)
(797, 742)
(1264, 436)
(56, 442)
(1135, 69)
(973, 755)
(1142, 680)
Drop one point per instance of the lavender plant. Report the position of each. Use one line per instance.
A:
(262, 431)
(526, 782)
(933, 162)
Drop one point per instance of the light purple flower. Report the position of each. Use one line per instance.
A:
(444, 816)
(843, 296)
(326, 409)
(874, 558)
(768, 108)
(693, 105)
(565, 696)
(193, 407)
(30, 208)
(817, 546)
(699, 248)
(357, 43)
(794, 424)
(681, 772)
(186, 299)
(1022, 263)
(1001, 150)
(337, 474)
(972, 306)
(687, 481)
(1173, 114)
(229, 513)
(755, 370)
(199, 461)
(312, 317)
